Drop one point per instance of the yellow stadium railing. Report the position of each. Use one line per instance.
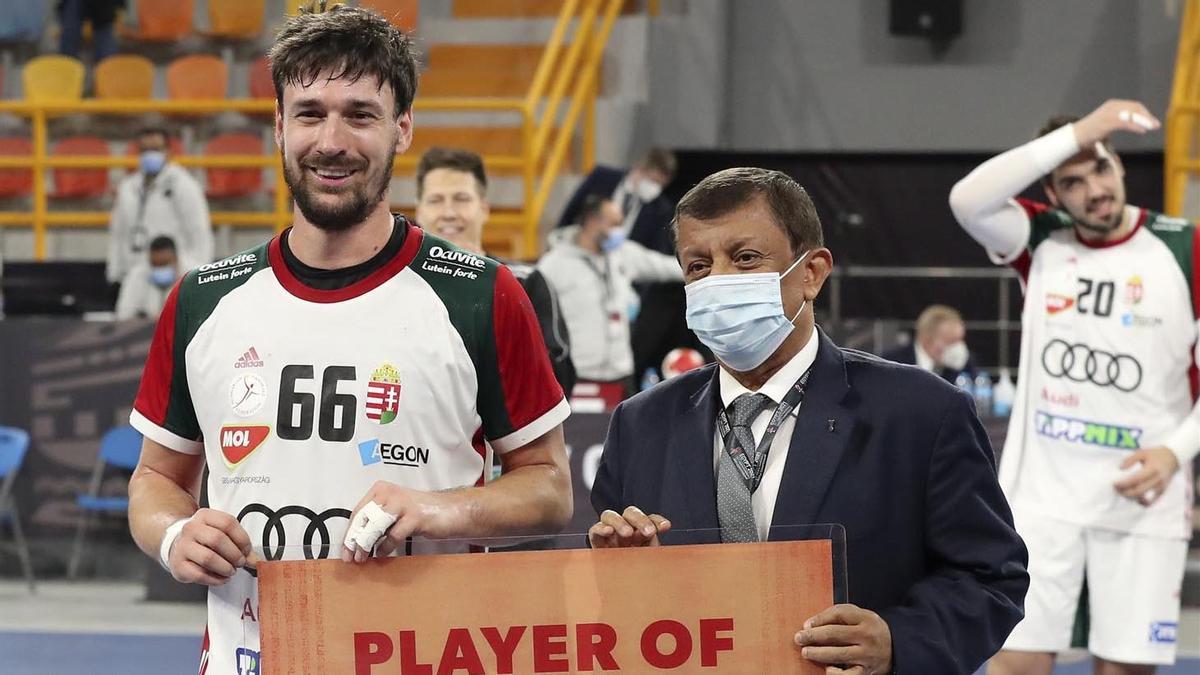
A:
(1181, 158)
(567, 75)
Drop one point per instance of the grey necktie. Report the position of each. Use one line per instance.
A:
(735, 511)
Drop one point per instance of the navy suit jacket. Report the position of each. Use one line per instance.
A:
(907, 470)
(651, 228)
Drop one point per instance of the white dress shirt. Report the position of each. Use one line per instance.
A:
(763, 500)
(924, 360)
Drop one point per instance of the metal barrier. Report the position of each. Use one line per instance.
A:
(1004, 324)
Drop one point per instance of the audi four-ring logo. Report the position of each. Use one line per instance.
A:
(274, 526)
(1080, 363)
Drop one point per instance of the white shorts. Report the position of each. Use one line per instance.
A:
(1133, 590)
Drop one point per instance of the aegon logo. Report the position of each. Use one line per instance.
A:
(461, 257)
(239, 259)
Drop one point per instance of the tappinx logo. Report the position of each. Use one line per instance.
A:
(1088, 433)
(250, 359)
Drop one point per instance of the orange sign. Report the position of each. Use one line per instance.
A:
(728, 608)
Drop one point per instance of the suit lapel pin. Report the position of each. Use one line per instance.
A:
(832, 425)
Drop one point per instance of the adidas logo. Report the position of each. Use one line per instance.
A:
(250, 359)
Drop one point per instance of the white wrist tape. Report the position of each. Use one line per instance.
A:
(368, 527)
(169, 536)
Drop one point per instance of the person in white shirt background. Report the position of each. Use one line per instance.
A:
(938, 346)
(593, 266)
(159, 199)
(145, 287)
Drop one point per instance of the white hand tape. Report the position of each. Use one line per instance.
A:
(169, 537)
(1137, 118)
(368, 527)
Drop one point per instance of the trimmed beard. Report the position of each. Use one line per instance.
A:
(341, 217)
(1103, 228)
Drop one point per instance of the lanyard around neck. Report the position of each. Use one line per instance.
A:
(752, 468)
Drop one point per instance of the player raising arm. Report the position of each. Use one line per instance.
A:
(1098, 454)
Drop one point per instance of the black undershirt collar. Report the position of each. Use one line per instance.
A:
(331, 280)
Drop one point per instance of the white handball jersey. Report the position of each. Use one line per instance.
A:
(1109, 336)
(300, 399)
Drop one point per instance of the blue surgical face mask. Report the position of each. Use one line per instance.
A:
(152, 161)
(162, 276)
(740, 316)
(612, 241)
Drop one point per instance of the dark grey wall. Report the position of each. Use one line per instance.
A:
(812, 75)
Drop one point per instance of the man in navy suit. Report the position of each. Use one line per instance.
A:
(939, 344)
(935, 571)
(638, 192)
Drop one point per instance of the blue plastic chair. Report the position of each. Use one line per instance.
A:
(120, 447)
(14, 443)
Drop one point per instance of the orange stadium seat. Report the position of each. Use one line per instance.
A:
(15, 182)
(234, 182)
(400, 13)
(125, 76)
(163, 21)
(53, 78)
(199, 76)
(80, 183)
(292, 7)
(236, 18)
(261, 85)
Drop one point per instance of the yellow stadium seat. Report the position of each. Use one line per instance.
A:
(53, 78)
(125, 76)
(400, 13)
(197, 76)
(236, 18)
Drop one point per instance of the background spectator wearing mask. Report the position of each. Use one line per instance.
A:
(159, 199)
(452, 204)
(939, 346)
(638, 194)
(144, 289)
(593, 266)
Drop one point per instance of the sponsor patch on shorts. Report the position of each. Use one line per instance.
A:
(1164, 632)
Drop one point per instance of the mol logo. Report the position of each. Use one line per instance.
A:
(237, 442)
(395, 454)
(1088, 433)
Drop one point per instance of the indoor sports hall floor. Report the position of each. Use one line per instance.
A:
(78, 628)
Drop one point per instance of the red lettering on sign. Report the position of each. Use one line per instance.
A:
(595, 642)
(503, 646)
(459, 654)
(408, 655)
(370, 649)
(248, 611)
(683, 644)
(711, 643)
(545, 648)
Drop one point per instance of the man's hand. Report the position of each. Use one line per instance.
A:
(847, 639)
(210, 548)
(631, 528)
(436, 515)
(1114, 115)
(1148, 484)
